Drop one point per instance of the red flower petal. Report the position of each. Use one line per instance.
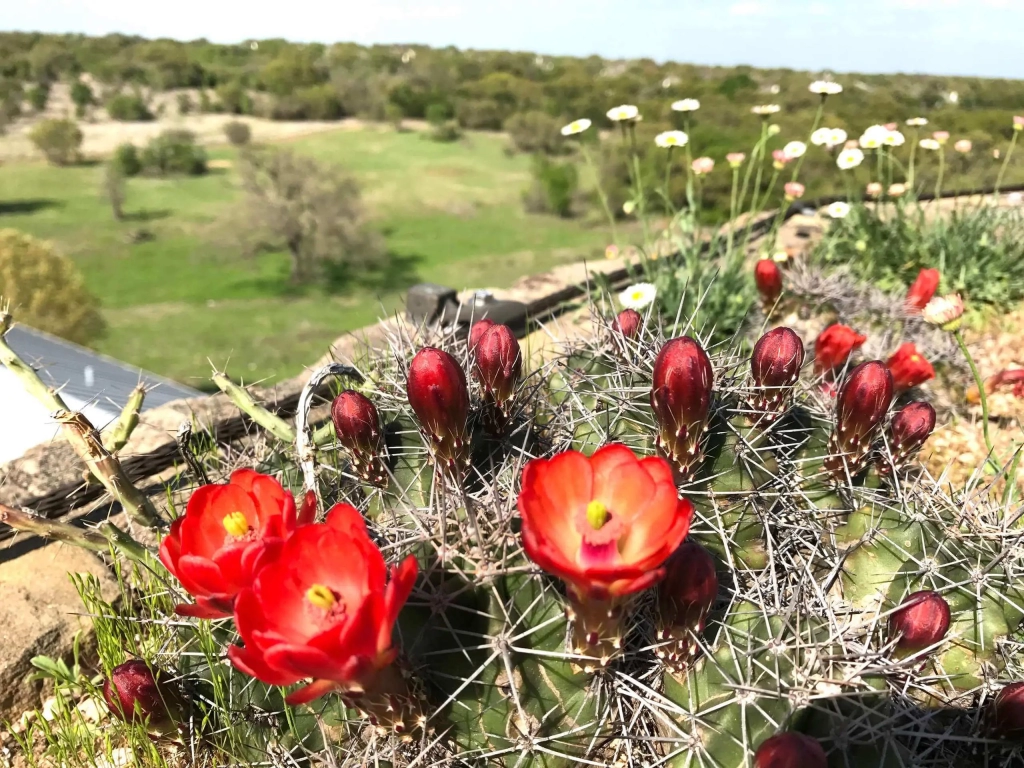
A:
(254, 665)
(170, 547)
(307, 514)
(310, 692)
(204, 608)
(301, 661)
(403, 577)
(199, 575)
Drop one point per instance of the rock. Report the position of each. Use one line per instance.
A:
(39, 616)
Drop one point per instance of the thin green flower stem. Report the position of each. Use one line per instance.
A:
(668, 181)
(982, 396)
(1006, 161)
(1011, 478)
(814, 126)
(942, 172)
(732, 207)
(689, 166)
(755, 157)
(913, 157)
(600, 191)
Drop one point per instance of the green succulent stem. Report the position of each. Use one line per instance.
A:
(277, 426)
(992, 460)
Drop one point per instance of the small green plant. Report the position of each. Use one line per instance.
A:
(185, 105)
(174, 151)
(59, 140)
(237, 133)
(82, 97)
(129, 107)
(126, 158)
(554, 187)
(38, 96)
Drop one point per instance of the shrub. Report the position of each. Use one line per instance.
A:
(126, 158)
(174, 151)
(45, 289)
(438, 114)
(233, 98)
(480, 115)
(128, 107)
(445, 132)
(310, 208)
(535, 132)
(82, 96)
(59, 140)
(316, 102)
(553, 189)
(38, 96)
(184, 104)
(237, 132)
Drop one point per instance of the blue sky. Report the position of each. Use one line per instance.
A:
(969, 37)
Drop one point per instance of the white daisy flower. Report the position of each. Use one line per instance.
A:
(836, 137)
(686, 105)
(766, 109)
(821, 136)
(917, 122)
(638, 296)
(850, 158)
(825, 88)
(839, 210)
(944, 311)
(873, 137)
(794, 149)
(894, 139)
(671, 139)
(576, 126)
(931, 144)
(623, 112)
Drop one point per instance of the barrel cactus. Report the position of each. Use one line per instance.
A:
(641, 551)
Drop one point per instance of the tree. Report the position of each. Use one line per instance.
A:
(174, 151)
(237, 132)
(311, 209)
(59, 140)
(114, 188)
(82, 96)
(45, 290)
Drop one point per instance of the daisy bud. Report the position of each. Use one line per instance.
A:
(681, 399)
(861, 405)
(775, 367)
(499, 364)
(135, 692)
(790, 750)
(945, 312)
(921, 621)
(437, 392)
(357, 427)
(794, 190)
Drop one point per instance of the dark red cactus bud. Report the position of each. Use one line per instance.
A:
(477, 330)
(790, 750)
(1008, 712)
(499, 364)
(685, 596)
(775, 368)
(922, 620)
(908, 430)
(437, 391)
(768, 278)
(861, 405)
(357, 427)
(135, 692)
(627, 323)
(681, 399)
(834, 346)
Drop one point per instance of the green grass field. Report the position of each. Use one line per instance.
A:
(451, 214)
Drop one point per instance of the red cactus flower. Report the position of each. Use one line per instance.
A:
(775, 367)
(499, 363)
(227, 531)
(604, 524)
(1008, 711)
(681, 399)
(909, 368)
(790, 750)
(135, 692)
(628, 323)
(921, 620)
(357, 426)
(908, 430)
(684, 599)
(861, 405)
(437, 391)
(323, 608)
(834, 346)
(922, 290)
(768, 278)
(477, 330)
